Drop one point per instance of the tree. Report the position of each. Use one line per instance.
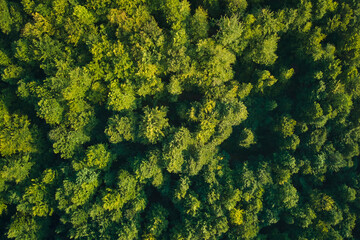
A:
(16, 135)
(199, 25)
(5, 20)
(67, 142)
(236, 6)
(121, 128)
(236, 216)
(247, 138)
(121, 97)
(179, 119)
(231, 34)
(149, 168)
(174, 150)
(156, 221)
(213, 64)
(97, 156)
(50, 110)
(153, 125)
(25, 227)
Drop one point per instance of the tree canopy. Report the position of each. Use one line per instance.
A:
(179, 119)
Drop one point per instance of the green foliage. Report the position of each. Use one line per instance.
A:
(214, 63)
(199, 25)
(97, 156)
(247, 138)
(179, 119)
(236, 216)
(264, 53)
(16, 168)
(5, 19)
(231, 33)
(121, 97)
(153, 124)
(121, 129)
(50, 110)
(156, 221)
(36, 201)
(126, 191)
(25, 227)
(236, 6)
(173, 152)
(149, 169)
(66, 142)
(16, 136)
(286, 126)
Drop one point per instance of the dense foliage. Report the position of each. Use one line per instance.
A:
(179, 119)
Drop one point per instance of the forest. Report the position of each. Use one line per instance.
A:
(180, 119)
